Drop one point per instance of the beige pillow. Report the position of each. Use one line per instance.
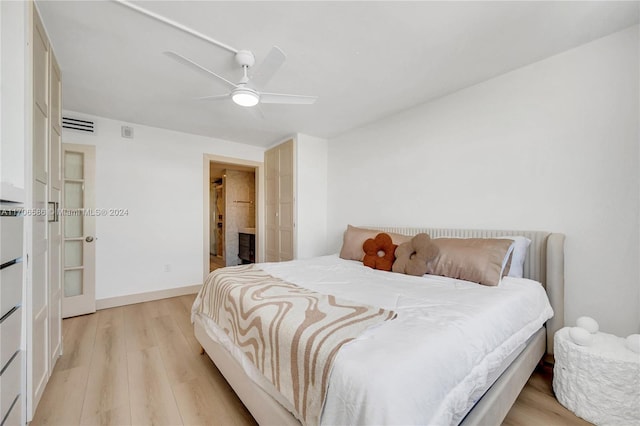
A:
(355, 237)
(479, 260)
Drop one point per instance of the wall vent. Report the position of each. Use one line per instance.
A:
(127, 132)
(78, 125)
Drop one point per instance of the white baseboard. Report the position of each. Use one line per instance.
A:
(130, 299)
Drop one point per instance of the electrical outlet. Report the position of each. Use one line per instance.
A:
(167, 268)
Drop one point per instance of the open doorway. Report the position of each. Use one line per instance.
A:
(231, 210)
(217, 213)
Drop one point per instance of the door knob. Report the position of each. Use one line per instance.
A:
(89, 239)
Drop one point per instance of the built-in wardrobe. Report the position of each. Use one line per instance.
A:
(30, 119)
(279, 171)
(296, 198)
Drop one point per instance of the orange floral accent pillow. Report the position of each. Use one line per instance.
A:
(379, 252)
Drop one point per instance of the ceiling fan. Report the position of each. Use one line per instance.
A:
(246, 91)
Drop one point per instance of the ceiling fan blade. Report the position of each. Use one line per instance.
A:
(266, 70)
(281, 98)
(214, 98)
(188, 62)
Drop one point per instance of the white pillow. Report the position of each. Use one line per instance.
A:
(506, 257)
(520, 246)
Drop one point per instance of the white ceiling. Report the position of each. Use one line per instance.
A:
(365, 60)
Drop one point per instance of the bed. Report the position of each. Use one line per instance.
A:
(509, 365)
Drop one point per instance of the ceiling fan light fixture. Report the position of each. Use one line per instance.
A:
(243, 92)
(245, 97)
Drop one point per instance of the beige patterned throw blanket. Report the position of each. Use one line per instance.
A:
(291, 334)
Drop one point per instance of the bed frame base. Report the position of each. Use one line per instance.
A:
(494, 405)
(264, 409)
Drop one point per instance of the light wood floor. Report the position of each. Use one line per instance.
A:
(215, 262)
(536, 405)
(141, 365)
(138, 364)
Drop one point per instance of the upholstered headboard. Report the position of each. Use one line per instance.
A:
(544, 262)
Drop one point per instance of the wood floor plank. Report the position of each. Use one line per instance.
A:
(107, 392)
(177, 356)
(223, 391)
(68, 324)
(200, 404)
(61, 402)
(110, 317)
(151, 397)
(187, 301)
(153, 309)
(182, 315)
(138, 332)
(167, 331)
(78, 343)
(119, 416)
(110, 342)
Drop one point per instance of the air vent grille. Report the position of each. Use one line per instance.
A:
(77, 124)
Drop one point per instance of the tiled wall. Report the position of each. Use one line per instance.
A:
(240, 189)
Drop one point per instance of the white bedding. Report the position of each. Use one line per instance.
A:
(430, 364)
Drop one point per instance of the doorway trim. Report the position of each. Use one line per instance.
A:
(259, 167)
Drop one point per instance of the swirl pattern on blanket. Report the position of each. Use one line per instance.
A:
(290, 333)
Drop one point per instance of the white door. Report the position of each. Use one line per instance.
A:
(38, 332)
(78, 221)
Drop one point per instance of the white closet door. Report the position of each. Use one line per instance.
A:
(37, 348)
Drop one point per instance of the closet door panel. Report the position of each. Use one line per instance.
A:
(55, 145)
(54, 283)
(56, 95)
(40, 144)
(40, 66)
(55, 130)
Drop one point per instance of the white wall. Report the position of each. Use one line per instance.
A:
(311, 202)
(158, 177)
(13, 78)
(551, 146)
